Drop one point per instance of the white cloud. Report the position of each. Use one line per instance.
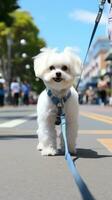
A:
(75, 49)
(87, 17)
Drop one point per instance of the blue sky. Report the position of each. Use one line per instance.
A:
(66, 22)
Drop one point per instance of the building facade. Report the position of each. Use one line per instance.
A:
(97, 65)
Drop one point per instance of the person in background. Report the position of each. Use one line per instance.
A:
(2, 90)
(2, 80)
(110, 38)
(15, 92)
(102, 86)
(2, 94)
(25, 89)
(89, 95)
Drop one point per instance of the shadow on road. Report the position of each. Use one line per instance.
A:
(84, 153)
(13, 137)
(81, 153)
(89, 153)
(18, 117)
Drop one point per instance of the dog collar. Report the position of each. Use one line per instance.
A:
(56, 100)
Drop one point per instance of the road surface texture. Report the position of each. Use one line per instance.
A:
(26, 175)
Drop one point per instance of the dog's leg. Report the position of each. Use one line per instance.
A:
(47, 137)
(49, 142)
(71, 140)
(40, 146)
(71, 137)
(72, 118)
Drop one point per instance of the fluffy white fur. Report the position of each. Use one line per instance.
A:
(58, 71)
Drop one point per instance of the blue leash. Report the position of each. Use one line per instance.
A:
(61, 119)
(85, 193)
(97, 20)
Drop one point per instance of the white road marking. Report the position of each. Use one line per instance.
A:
(15, 122)
(12, 123)
(107, 142)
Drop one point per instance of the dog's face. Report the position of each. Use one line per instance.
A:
(57, 70)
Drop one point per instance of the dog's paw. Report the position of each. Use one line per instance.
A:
(48, 151)
(73, 152)
(40, 146)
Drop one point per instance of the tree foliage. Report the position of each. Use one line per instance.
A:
(7, 7)
(23, 28)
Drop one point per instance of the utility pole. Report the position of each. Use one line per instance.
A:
(9, 58)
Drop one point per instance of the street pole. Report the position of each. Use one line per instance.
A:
(9, 56)
(9, 65)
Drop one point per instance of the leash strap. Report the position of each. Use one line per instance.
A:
(110, 25)
(85, 193)
(97, 20)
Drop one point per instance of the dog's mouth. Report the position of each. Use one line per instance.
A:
(57, 79)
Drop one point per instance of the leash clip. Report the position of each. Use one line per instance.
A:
(59, 113)
(101, 4)
(59, 105)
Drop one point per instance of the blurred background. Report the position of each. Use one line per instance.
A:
(26, 27)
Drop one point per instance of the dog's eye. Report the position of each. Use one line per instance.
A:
(52, 67)
(64, 68)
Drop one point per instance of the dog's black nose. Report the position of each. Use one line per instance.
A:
(58, 74)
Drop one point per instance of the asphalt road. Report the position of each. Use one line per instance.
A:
(26, 175)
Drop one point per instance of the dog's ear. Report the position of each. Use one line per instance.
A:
(37, 66)
(75, 61)
(40, 63)
(77, 65)
(41, 60)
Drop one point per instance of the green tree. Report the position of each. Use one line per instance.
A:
(15, 64)
(7, 7)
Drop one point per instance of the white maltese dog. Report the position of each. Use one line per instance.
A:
(58, 70)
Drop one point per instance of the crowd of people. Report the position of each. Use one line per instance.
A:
(100, 95)
(18, 93)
